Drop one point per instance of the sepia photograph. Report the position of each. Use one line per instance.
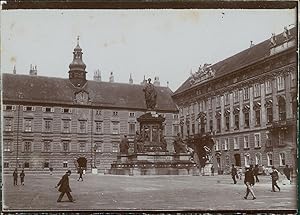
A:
(149, 109)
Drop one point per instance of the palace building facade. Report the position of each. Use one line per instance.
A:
(66, 123)
(247, 103)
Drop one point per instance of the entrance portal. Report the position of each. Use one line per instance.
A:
(237, 158)
(82, 162)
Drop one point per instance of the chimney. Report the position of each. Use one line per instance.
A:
(97, 75)
(130, 79)
(156, 81)
(144, 81)
(251, 44)
(111, 77)
(33, 70)
(14, 71)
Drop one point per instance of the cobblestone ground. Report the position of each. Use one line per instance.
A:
(108, 192)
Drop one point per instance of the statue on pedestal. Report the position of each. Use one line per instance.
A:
(124, 145)
(150, 95)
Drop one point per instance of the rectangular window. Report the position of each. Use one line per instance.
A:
(115, 113)
(47, 146)
(227, 122)
(8, 124)
(28, 108)
(115, 147)
(193, 128)
(175, 129)
(236, 144)
(6, 164)
(217, 147)
(269, 115)
(280, 83)
(270, 159)
(7, 145)
(227, 98)
(282, 159)
(247, 122)
(27, 146)
(82, 146)
(131, 128)
(293, 80)
(82, 127)
(98, 112)
(211, 128)
(65, 164)
(66, 110)
(268, 140)
(257, 117)
(66, 125)
(98, 127)
(131, 114)
(218, 101)
(226, 145)
(175, 116)
(8, 107)
(28, 125)
(247, 159)
(281, 138)
(48, 109)
(236, 96)
(26, 164)
(47, 125)
(268, 85)
(115, 127)
(256, 90)
(246, 142)
(257, 143)
(246, 93)
(66, 146)
(237, 121)
(46, 164)
(209, 104)
(218, 125)
(98, 146)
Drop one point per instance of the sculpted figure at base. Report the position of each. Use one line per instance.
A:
(150, 95)
(138, 143)
(179, 146)
(124, 145)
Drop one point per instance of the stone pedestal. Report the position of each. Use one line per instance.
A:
(207, 169)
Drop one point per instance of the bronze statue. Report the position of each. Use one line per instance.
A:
(150, 95)
(138, 143)
(124, 145)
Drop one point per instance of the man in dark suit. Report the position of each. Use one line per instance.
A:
(233, 173)
(64, 187)
(249, 182)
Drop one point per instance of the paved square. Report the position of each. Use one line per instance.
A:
(108, 192)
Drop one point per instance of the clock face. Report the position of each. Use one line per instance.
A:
(82, 97)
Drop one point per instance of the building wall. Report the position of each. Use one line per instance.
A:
(81, 143)
(197, 99)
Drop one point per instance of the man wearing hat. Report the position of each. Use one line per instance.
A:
(64, 187)
(249, 182)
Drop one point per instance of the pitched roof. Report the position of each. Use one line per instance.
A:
(240, 60)
(52, 90)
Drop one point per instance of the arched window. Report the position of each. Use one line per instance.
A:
(282, 108)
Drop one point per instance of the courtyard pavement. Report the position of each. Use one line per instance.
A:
(109, 192)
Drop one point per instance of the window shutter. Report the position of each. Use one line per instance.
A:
(52, 110)
(70, 110)
(62, 110)
(24, 108)
(33, 108)
(43, 109)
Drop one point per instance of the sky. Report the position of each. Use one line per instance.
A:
(165, 43)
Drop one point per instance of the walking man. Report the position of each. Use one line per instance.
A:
(249, 182)
(212, 170)
(233, 173)
(255, 171)
(64, 187)
(287, 172)
(80, 171)
(22, 176)
(275, 177)
(15, 175)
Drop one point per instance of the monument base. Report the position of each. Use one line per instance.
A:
(159, 163)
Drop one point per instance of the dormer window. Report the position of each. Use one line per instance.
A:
(115, 113)
(28, 108)
(48, 109)
(66, 110)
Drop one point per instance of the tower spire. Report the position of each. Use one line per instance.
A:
(77, 73)
(130, 79)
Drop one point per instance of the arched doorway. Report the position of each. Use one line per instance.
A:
(237, 159)
(82, 162)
